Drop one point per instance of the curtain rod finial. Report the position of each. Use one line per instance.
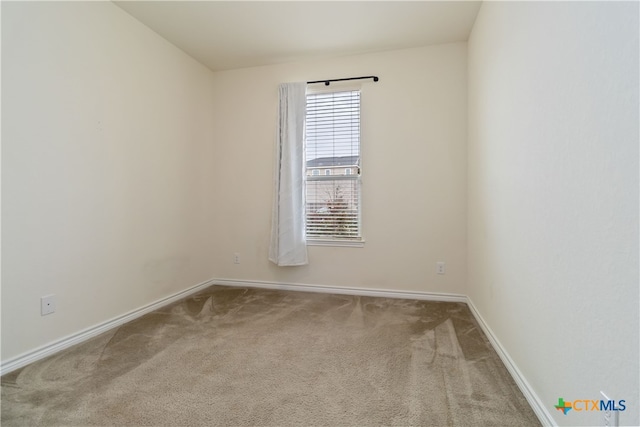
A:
(375, 78)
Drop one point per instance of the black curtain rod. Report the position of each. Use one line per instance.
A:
(327, 82)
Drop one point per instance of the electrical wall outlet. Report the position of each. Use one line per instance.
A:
(47, 305)
(440, 267)
(236, 258)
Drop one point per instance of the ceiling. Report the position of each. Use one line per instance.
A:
(236, 34)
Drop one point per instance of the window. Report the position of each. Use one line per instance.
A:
(315, 172)
(333, 143)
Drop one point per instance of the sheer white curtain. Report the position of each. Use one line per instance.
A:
(288, 243)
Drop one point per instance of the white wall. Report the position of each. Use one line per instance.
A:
(553, 195)
(104, 129)
(413, 163)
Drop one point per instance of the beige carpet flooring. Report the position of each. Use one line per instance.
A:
(255, 357)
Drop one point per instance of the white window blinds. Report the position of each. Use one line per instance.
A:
(333, 166)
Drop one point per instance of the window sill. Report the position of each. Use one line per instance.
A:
(338, 243)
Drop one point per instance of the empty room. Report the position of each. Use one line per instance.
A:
(320, 213)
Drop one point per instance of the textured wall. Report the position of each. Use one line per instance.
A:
(104, 125)
(553, 195)
(413, 163)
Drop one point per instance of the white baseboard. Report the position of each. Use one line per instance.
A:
(59, 345)
(386, 293)
(66, 342)
(537, 405)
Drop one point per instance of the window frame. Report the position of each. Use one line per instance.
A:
(337, 241)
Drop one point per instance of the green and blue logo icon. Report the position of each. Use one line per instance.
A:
(563, 406)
